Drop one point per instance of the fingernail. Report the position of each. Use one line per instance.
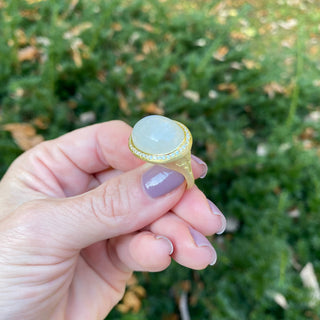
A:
(215, 210)
(168, 241)
(203, 165)
(201, 241)
(159, 180)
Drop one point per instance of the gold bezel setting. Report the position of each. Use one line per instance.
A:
(179, 152)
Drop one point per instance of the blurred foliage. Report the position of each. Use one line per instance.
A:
(242, 75)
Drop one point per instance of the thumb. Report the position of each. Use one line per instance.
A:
(123, 204)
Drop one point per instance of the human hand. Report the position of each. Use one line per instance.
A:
(76, 219)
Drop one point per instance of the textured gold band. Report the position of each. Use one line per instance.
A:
(183, 166)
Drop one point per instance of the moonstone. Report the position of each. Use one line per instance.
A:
(157, 135)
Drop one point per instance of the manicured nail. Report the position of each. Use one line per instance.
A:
(159, 180)
(201, 241)
(203, 165)
(215, 210)
(168, 241)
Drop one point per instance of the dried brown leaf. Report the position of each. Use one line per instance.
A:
(250, 64)
(130, 302)
(21, 37)
(272, 88)
(24, 135)
(239, 36)
(132, 281)
(145, 26)
(123, 104)
(41, 122)
(139, 291)
(116, 26)
(229, 87)
(77, 30)
(139, 57)
(308, 134)
(149, 46)
(31, 14)
(28, 53)
(34, 1)
(221, 53)
(152, 108)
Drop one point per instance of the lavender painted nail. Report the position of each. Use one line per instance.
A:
(201, 241)
(203, 165)
(159, 181)
(215, 210)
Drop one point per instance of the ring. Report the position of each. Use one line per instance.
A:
(160, 140)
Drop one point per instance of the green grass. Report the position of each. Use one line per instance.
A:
(136, 54)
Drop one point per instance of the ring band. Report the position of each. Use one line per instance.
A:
(160, 140)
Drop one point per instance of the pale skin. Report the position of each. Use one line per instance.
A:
(75, 223)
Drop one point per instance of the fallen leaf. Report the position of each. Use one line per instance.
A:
(272, 88)
(232, 225)
(211, 148)
(87, 117)
(250, 64)
(229, 87)
(294, 213)
(34, 1)
(139, 57)
(116, 26)
(149, 46)
(307, 134)
(21, 37)
(313, 116)
(221, 53)
(262, 150)
(212, 94)
(192, 95)
(139, 291)
(152, 108)
(174, 68)
(145, 26)
(289, 24)
(24, 135)
(249, 32)
(18, 93)
(102, 75)
(201, 42)
(133, 297)
(123, 104)
(237, 35)
(28, 53)
(77, 30)
(280, 300)
(31, 14)
(310, 281)
(41, 123)
(316, 82)
(130, 302)
(139, 94)
(236, 65)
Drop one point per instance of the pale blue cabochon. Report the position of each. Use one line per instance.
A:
(157, 135)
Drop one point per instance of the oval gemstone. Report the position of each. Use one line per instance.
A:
(157, 135)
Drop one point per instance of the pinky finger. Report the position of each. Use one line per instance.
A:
(142, 251)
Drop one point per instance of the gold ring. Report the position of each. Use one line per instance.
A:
(160, 140)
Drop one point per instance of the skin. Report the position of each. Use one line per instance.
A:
(75, 223)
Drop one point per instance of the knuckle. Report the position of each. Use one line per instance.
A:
(117, 200)
(114, 202)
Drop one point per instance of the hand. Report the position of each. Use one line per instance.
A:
(76, 219)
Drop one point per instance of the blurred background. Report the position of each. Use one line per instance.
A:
(244, 76)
